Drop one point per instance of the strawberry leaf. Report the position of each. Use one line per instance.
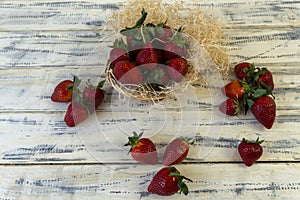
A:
(183, 188)
(138, 23)
(250, 102)
(259, 92)
(100, 84)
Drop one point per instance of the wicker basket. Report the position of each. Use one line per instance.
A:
(147, 92)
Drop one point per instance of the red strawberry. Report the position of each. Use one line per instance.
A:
(241, 70)
(172, 50)
(164, 33)
(133, 46)
(176, 151)
(118, 52)
(93, 96)
(168, 181)
(147, 55)
(177, 68)
(142, 150)
(230, 107)
(265, 77)
(235, 89)
(159, 75)
(116, 55)
(264, 110)
(64, 90)
(75, 114)
(134, 37)
(250, 151)
(127, 73)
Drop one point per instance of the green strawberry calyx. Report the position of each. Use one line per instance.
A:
(119, 43)
(76, 83)
(257, 141)
(133, 140)
(183, 187)
(99, 85)
(237, 107)
(190, 141)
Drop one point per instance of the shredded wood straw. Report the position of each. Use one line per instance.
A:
(207, 52)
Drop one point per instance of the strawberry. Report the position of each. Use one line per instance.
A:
(172, 50)
(64, 90)
(142, 150)
(264, 110)
(118, 52)
(159, 75)
(93, 96)
(134, 38)
(235, 89)
(250, 151)
(176, 151)
(230, 107)
(164, 32)
(75, 114)
(168, 181)
(177, 68)
(241, 70)
(265, 77)
(147, 55)
(127, 73)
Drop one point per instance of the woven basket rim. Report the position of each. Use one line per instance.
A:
(150, 95)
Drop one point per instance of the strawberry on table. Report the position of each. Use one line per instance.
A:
(264, 76)
(241, 70)
(142, 150)
(230, 107)
(235, 89)
(250, 151)
(93, 95)
(264, 110)
(167, 182)
(75, 114)
(176, 151)
(64, 90)
(177, 68)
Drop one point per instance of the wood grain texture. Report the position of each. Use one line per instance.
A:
(262, 181)
(32, 139)
(72, 15)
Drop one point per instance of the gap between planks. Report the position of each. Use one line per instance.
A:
(130, 164)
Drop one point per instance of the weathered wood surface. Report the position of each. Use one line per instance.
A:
(210, 181)
(43, 42)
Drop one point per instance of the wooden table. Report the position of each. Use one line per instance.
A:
(43, 42)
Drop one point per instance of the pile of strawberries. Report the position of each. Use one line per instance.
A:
(168, 180)
(152, 55)
(82, 104)
(252, 90)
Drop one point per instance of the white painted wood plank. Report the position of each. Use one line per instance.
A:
(70, 48)
(210, 181)
(47, 15)
(44, 138)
